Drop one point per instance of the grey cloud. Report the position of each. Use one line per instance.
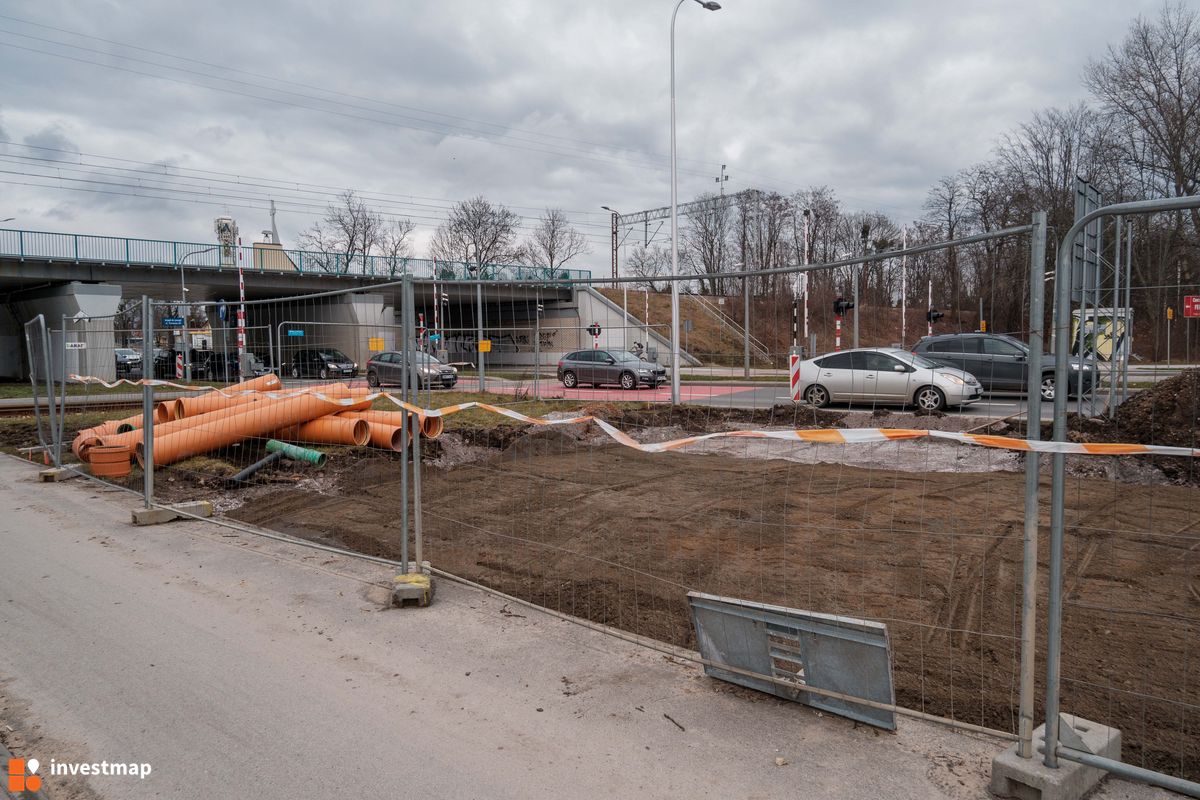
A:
(875, 99)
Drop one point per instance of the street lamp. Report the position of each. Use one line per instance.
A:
(183, 292)
(7, 219)
(476, 270)
(708, 5)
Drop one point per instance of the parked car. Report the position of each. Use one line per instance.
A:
(129, 362)
(885, 375)
(386, 367)
(164, 363)
(221, 366)
(999, 362)
(323, 363)
(619, 367)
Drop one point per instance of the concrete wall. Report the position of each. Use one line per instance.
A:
(351, 324)
(89, 309)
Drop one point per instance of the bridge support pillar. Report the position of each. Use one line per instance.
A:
(89, 309)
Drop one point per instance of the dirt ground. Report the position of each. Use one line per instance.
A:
(619, 537)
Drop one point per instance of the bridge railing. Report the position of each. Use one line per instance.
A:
(76, 248)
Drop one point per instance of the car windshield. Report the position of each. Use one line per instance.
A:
(125, 351)
(334, 355)
(917, 361)
(623, 355)
(426, 359)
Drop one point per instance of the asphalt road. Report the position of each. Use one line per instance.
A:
(752, 394)
(241, 667)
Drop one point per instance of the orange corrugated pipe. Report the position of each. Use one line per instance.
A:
(329, 430)
(201, 436)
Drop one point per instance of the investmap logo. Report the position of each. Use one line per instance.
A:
(22, 775)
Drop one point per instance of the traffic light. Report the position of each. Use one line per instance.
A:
(841, 306)
(933, 315)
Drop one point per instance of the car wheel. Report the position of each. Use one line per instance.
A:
(816, 396)
(569, 380)
(295, 371)
(628, 380)
(930, 398)
(323, 374)
(1047, 389)
(372, 379)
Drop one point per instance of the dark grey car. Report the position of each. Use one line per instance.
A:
(999, 362)
(599, 367)
(386, 367)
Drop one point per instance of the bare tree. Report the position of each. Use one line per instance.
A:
(351, 231)
(395, 244)
(650, 264)
(945, 206)
(554, 241)
(1150, 87)
(706, 241)
(479, 233)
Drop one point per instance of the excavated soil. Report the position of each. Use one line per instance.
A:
(619, 537)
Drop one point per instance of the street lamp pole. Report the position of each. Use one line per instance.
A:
(710, 6)
(187, 361)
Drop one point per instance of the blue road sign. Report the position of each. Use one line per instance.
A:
(172, 322)
(295, 333)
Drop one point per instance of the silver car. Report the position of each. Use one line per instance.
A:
(885, 375)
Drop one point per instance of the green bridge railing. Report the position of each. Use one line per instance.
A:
(80, 248)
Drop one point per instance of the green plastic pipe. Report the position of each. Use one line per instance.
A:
(296, 452)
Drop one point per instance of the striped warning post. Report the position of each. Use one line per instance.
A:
(794, 369)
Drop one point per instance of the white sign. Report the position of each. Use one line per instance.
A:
(77, 345)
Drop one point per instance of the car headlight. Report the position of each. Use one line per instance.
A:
(1074, 365)
(643, 372)
(957, 381)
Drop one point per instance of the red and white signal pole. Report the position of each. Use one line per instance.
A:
(241, 314)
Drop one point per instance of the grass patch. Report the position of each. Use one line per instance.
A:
(22, 389)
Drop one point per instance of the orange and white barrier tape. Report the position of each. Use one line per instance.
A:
(815, 436)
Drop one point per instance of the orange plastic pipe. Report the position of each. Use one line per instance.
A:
(165, 411)
(211, 401)
(202, 436)
(338, 390)
(134, 437)
(431, 427)
(329, 430)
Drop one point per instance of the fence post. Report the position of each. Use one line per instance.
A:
(412, 379)
(1033, 430)
(147, 400)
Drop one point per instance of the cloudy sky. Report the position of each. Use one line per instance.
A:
(147, 119)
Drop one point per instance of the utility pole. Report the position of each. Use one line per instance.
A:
(857, 272)
(807, 217)
(903, 288)
(615, 215)
(721, 180)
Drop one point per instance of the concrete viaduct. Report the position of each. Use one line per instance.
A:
(84, 278)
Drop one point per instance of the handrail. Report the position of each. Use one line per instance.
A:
(79, 248)
(757, 348)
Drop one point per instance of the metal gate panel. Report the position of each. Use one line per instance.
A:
(841, 654)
